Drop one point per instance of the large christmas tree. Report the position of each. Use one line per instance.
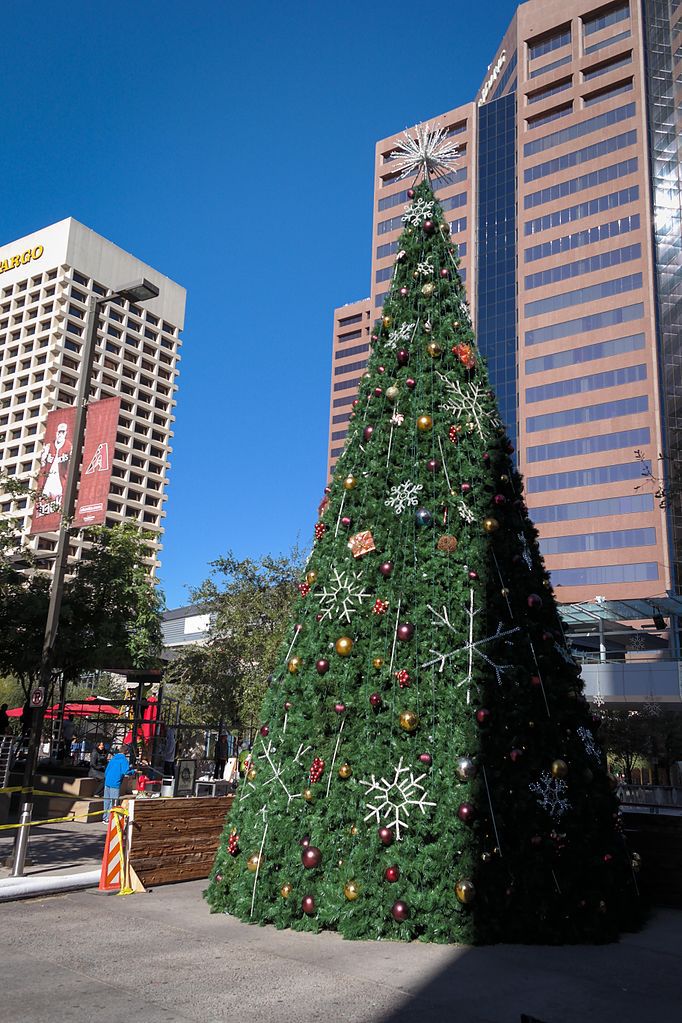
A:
(427, 764)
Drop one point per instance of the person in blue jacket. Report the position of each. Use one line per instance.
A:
(116, 770)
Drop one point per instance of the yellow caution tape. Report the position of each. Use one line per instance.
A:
(60, 820)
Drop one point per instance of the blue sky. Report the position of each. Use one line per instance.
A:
(231, 146)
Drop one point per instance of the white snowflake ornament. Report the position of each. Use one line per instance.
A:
(417, 212)
(343, 596)
(467, 403)
(403, 496)
(394, 799)
(400, 335)
(551, 794)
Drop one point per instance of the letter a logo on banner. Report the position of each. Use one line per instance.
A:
(99, 461)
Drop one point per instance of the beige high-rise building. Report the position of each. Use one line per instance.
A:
(566, 207)
(46, 281)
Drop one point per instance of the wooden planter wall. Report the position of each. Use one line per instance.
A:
(176, 839)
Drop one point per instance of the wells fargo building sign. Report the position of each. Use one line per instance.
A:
(14, 262)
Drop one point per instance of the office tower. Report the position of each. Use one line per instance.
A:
(567, 214)
(46, 281)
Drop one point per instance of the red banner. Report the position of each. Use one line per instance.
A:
(100, 437)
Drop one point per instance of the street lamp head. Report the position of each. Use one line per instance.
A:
(139, 291)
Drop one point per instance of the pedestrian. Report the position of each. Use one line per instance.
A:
(116, 770)
(98, 763)
(4, 719)
(220, 755)
(75, 749)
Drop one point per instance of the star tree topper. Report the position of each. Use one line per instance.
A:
(430, 152)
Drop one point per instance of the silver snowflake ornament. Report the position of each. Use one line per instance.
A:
(400, 335)
(467, 403)
(428, 151)
(403, 496)
(343, 596)
(390, 801)
(424, 269)
(465, 512)
(418, 211)
(588, 742)
(551, 794)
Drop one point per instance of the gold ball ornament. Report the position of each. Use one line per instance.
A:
(416, 274)
(351, 890)
(428, 289)
(345, 771)
(350, 483)
(343, 646)
(311, 577)
(434, 349)
(424, 424)
(307, 795)
(408, 720)
(378, 662)
(285, 891)
(504, 478)
(353, 830)
(490, 525)
(392, 393)
(465, 892)
(559, 768)
(294, 665)
(504, 591)
(386, 320)
(636, 861)
(253, 862)
(251, 774)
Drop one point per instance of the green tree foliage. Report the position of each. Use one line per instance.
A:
(426, 764)
(110, 616)
(632, 736)
(249, 603)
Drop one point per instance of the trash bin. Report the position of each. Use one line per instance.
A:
(167, 788)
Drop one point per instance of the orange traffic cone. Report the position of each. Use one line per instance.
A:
(111, 878)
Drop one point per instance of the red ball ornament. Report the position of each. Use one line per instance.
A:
(410, 384)
(410, 193)
(444, 272)
(399, 911)
(264, 731)
(433, 465)
(287, 706)
(465, 488)
(534, 601)
(356, 401)
(392, 873)
(378, 392)
(322, 666)
(345, 521)
(385, 836)
(483, 715)
(402, 355)
(311, 857)
(339, 707)
(405, 632)
(375, 700)
(381, 369)
(473, 574)
(425, 758)
(499, 499)
(386, 567)
(308, 905)
(466, 812)
(367, 432)
(428, 227)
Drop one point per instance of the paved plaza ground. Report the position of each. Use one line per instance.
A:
(162, 957)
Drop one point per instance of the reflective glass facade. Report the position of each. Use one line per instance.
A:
(496, 250)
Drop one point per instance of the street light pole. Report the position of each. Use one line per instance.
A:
(140, 291)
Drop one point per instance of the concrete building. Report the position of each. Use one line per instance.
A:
(46, 280)
(566, 209)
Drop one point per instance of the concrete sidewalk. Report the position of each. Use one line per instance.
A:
(162, 957)
(67, 848)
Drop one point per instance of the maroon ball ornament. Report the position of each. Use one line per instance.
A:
(410, 384)
(402, 355)
(311, 857)
(486, 458)
(375, 700)
(410, 193)
(444, 272)
(339, 708)
(404, 292)
(308, 905)
(405, 632)
(287, 705)
(392, 874)
(399, 911)
(264, 731)
(381, 369)
(472, 574)
(378, 392)
(426, 758)
(483, 715)
(322, 666)
(345, 521)
(367, 432)
(386, 567)
(385, 836)
(433, 465)
(466, 812)
(515, 755)
(499, 500)
(465, 488)
(428, 227)
(534, 601)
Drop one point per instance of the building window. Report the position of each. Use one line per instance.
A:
(599, 575)
(609, 15)
(596, 177)
(580, 238)
(589, 445)
(576, 131)
(584, 384)
(608, 93)
(547, 43)
(549, 90)
(588, 353)
(607, 42)
(582, 210)
(551, 67)
(592, 264)
(574, 159)
(549, 115)
(588, 414)
(592, 293)
(355, 350)
(585, 478)
(635, 504)
(607, 65)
